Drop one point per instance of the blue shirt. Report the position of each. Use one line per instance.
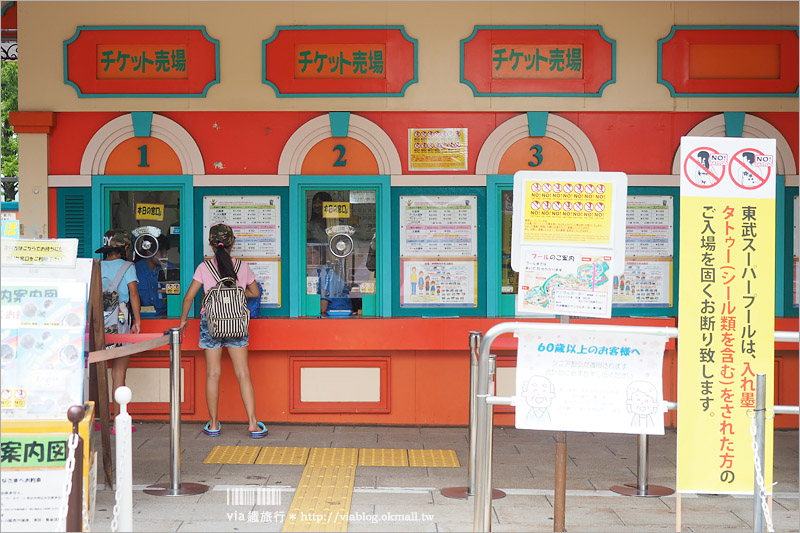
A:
(148, 286)
(333, 289)
(109, 270)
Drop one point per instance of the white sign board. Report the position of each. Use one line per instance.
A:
(587, 381)
(568, 240)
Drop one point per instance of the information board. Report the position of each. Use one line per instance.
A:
(256, 223)
(438, 251)
(588, 381)
(649, 251)
(727, 305)
(42, 330)
(568, 240)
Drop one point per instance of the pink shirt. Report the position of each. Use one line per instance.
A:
(204, 276)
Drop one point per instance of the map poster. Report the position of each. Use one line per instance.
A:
(438, 283)
(564, 281)
(587, 381)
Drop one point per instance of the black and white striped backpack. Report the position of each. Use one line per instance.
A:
(226, 306)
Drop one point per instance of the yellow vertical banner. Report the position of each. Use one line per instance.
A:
(726, 311)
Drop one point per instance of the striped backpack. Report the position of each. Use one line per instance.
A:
(227, 314)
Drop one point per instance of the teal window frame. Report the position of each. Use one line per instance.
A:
(200, 238)
(298, 186)
(480, 310)
(101, 214)
(784, 235)
(499, 304)
(675, 192)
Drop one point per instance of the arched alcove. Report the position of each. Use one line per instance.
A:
(116, 131)
(754, 127)
(319, 128)
(559, 129)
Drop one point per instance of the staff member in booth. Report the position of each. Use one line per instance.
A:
(147, 271)
(333, 290)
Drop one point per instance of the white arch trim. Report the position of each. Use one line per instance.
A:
(114, 132)
(558, 128)
(754, 127)
(319, 128)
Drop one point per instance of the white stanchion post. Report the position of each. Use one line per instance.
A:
(122, 424)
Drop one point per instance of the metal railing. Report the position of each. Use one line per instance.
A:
(485, 402)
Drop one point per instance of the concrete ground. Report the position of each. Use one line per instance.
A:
(410, 499)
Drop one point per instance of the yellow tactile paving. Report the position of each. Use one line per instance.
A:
(233, 455)
(333, 457)
(322, 499)
(438, 458)
(282, 455)
(382, 457)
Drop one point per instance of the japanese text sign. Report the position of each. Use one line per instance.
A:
(576, 380)
(339, 61)
(568, 239)
(537, 61)
(45, 253)
(726, 309)
(149, 61)
(437, 149)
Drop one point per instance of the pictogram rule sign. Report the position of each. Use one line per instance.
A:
(704, 167)
(750, 168)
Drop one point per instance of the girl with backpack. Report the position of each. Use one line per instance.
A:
(210, 275)
(120, 286)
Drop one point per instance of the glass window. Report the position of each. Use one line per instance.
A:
(509, 278)
(153, 218)
(340, 250)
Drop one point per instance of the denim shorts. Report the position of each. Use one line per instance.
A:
(207, 342)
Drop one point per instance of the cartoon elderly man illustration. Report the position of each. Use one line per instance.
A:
(538, 392)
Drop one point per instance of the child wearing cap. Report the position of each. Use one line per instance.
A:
(116, 250)
(222, 239)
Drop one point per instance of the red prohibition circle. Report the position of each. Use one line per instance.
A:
(696, 182)
(757, 180)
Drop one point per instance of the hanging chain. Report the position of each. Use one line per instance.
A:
(122, 474)
(86, 526)
(762, 491)
(72, 444)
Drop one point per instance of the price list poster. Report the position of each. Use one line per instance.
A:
(726, 310)
(439, 251)
(256, 223)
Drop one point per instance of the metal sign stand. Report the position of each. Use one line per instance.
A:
(462, 493)
(175, 487)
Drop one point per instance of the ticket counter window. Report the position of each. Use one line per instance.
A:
(153, 218)
(508, 277)
(340, 253)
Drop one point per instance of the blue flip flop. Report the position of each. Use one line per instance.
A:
(259, 434)
(212, 432)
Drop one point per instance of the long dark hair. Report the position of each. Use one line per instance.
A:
(224, 262)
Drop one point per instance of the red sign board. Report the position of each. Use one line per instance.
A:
(728, 61)
(151, 61)
(340, 61)
(537, 61)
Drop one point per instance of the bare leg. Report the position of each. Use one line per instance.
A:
(119, 367)
(242, 369)
(213, 372)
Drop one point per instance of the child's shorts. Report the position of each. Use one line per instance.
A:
(207, 342)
